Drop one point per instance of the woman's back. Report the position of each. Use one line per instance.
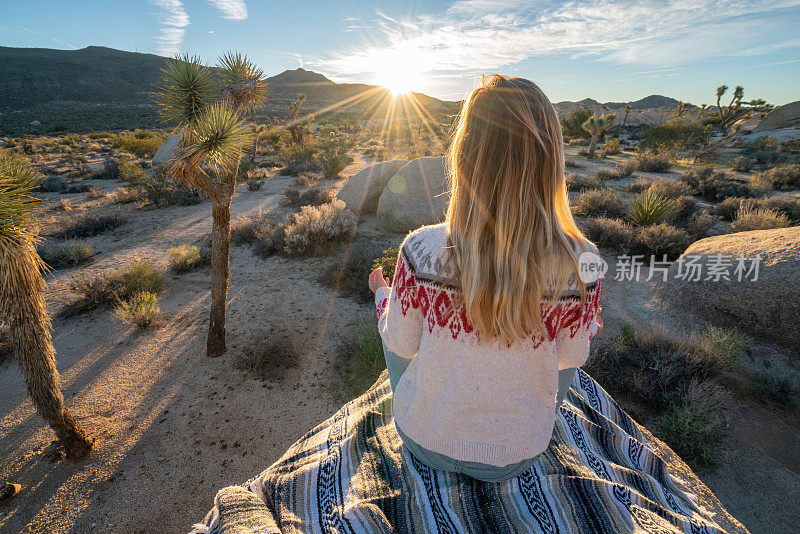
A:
(474, 400)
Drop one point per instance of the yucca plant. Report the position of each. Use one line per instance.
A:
(22, 305)
(596, 125)
(295, 127)
(213, 138)
(650, 208)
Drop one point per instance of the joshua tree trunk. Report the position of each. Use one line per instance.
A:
(255, 146)
(592, 145)
(220, 271)
(30, 336)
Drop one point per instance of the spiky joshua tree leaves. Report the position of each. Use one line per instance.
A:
(213, 138)
(596, 125)
(295, 126)
(22, 305)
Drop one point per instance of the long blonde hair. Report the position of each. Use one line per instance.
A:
(510, 227)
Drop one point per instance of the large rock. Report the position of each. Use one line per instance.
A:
(165, 151)
(785, 116)
(768, 306)
(415, 196)
(361, 192)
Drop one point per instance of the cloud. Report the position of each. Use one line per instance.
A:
(231, 9)
(473, 35)
(174, 20)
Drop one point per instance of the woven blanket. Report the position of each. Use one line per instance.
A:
(351, 474)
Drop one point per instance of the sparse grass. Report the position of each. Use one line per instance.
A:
(141, 309)
(723, 345)
(650, 208)
(270, 358)
(187, 258)
(361, 357)
(774, 387)
(749, 218)
(90, 226)
(65, 255)
(649, 161)
(599, 202)
(315, 229)
(613, 234)
(694, 432)
(103, 290)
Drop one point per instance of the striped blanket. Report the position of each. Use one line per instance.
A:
(351, 474)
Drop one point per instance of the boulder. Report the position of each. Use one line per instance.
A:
(768, 306)
(361, 192)
(415, 196)
(785, 116)
(165, 151)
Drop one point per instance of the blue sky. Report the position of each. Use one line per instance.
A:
(604, 49)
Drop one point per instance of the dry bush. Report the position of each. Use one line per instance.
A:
(742, 164)
(716, 186)
(315, 228)
(671, 188)
(65, 255)
(94, 193)
(186, 258)
(782, 177)
(610, 148)
(294, 196)
(349, 275)
(306, 179)
(270, 355)
(750, 218)
(639, 185)
(581, 182)
(254, 185)
(599, 202)
(649, 161)
(90, 226)
(613, 234)
(664, 238)
(63, 204)
(699, 225)
(141, 309)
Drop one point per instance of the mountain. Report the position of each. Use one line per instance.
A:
(98, 88)
(652, 101)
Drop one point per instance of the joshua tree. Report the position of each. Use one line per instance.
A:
(627, 110)
(681, 108)
(596, 125)
(213, 138)
(701, 110)
(295, 127)
(22, 305)
(728, 113)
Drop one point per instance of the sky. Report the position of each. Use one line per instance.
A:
(609, 50)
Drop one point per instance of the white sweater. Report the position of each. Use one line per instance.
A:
(489, 403)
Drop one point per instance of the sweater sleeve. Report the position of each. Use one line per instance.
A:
(579, 323)
(399, 315)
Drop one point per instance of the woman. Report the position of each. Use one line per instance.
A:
(486, 315)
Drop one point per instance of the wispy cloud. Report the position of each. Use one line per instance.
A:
(174, 20)
(473, 35)
(231, 9)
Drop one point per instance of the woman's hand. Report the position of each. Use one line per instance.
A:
(376, 280)
(599, 322)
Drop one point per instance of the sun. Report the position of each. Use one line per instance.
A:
(401, 72)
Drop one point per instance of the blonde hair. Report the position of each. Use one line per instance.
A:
(511, 231)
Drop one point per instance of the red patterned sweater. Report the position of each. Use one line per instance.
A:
(489, 402)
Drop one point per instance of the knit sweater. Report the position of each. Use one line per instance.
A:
(470, 399)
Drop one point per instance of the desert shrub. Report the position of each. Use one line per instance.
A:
(694, 432)
(63, 204)
(742, 164)
(676, 134)
(750, 218)
(610, 148)
(158, 190)
(783, 177)
(650, 161)
(613, 234)
(650, 208)
(768, 150)
(774, 387)
(314, 228)
(186, 258)
(580, 182)
(572, 124)
(660, 239)
(723, 345)
(599, 202)
(715, 186)
(94, 192)
(131, 173)
(699, 225)
(111, 169)
(570, 164)
(141, 309)
(728, 207)
(89, 226)
(254, 185)
(93, 293)
(626, 168)
(683, 208)
(53, 184)
(65, 255)
(606, 174)
(387, 261)
(298, 159)
(334, 162)
(788, 206)
(306, 179)
(639, 185)
(294, 196)
(270, 359)
(671, 188)
(361, 358)
(139, 143)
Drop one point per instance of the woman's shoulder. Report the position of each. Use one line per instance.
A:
(425, 249)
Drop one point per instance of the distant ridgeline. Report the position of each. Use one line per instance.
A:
(98, 88)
